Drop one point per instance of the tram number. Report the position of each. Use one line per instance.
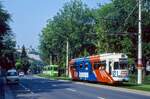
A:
(115, 73)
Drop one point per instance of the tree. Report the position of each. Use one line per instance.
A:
(75, 23)
(23, 53)
(7, 41)
(18, 64)
(117, 26)
(24, 60)
(111, 27)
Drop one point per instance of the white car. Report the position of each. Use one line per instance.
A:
(21, 74)
(12, 76)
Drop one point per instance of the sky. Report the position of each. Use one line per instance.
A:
(29, 17)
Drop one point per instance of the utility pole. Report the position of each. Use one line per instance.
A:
(139, 78)
(50, 60)
(67, 51)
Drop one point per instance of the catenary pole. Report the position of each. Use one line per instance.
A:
(67, 52)
(139, 76)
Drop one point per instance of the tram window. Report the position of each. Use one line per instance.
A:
(55, 68)
(123, 66)
(103, 64)
(109, 67)
(81, 66)
(49, 68)
(76, 66)
(96, 65)
(72, 66)
(116, 65)
(110, 64)
(86, 64)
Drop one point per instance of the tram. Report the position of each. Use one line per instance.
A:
(107, 68)
(51, 70)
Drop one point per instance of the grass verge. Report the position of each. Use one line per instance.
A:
(132, 84)
(142, 87)
(53, 77)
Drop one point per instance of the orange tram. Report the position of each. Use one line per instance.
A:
(107, 68)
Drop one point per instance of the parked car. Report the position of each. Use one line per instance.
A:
(21, 74)
(12, 76)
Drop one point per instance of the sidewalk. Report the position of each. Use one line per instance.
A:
(2, 91)
(5, 92)
(8, 93)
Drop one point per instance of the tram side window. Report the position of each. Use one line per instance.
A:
(103, 65)
(49, 68)
(116, 65)
(86, 65)
(76, 66)
(96, 65)
(44, 69)
(81, 65)
(109, 67)
(73, 66)
(55, 68)
(123, 66)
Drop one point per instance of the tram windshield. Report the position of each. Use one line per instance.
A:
(120, 65)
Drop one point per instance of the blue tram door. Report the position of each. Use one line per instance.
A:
(85, 70)
(82, 69)
(91, 75)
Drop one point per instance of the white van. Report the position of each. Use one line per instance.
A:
(12, 76)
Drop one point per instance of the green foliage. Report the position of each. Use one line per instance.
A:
(4, 19)
(7, 41)
(24, 60)
(18, 64)
(146, 50)
(74, 23)
(23, 53)
(112, 27)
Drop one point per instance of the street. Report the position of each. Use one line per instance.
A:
(39, 88)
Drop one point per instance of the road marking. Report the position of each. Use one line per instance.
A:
(73, 90)
(100, 98)
(24, 86)
(31, 92)
(27, 95)
(64, 80)
(27, 89)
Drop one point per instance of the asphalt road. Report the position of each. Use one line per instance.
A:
(39, 88)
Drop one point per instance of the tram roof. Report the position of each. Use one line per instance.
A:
(103, 56)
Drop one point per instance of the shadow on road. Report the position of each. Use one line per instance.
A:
(1, 88)
(33, 88)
